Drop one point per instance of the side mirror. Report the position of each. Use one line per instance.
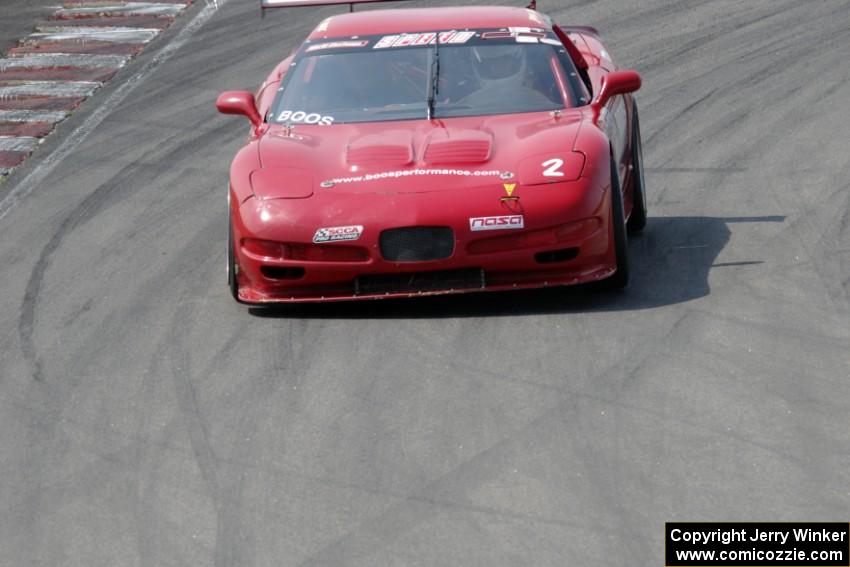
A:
(239, 102)
(616, 83)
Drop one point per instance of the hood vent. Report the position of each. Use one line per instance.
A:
(393, 148)
(454, 147)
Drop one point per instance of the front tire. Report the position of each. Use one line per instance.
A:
(637, 220)
(232, 282)
(620, 279)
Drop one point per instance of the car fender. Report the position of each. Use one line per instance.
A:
(594, 144)
(246, 161)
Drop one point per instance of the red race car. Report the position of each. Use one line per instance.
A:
(411, 152)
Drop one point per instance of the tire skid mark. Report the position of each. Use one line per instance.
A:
(599, 459)
(150, 448)
(81, 213)
(805, 51)
(452, 486)
(679, 114)
(112, 192)
(616, 402)
(88, 208)
(720, 33)
(764, 43)
(92, 205)
(172, 356)
(233, 543)
(84, 480)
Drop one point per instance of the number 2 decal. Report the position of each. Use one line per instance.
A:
(553, 168)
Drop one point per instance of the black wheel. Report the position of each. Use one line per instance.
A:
(620, 279)
(231, 261)
(637, 220)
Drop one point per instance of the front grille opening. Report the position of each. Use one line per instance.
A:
(417, 243)
(554, 256)
(468, 278)
(280, 273)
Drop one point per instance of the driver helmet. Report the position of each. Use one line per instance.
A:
(498, 62)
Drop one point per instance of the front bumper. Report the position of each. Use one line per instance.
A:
(566, 239)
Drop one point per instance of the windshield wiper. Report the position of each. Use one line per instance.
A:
(434, 78)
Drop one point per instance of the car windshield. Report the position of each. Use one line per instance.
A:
(404, 77)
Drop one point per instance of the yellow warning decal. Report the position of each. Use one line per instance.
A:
(509, 188)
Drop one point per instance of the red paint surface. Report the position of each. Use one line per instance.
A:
(423, 201)
(11, 159)
(556, 214)
(26, 129)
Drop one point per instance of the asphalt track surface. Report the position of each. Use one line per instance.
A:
(146, 419)
(18, 18)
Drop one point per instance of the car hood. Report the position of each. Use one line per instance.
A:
(417, 156)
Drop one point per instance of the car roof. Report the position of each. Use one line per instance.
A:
(401, 20)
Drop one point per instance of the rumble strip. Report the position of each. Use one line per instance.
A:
(69, 56)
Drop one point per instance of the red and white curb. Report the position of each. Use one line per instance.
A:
(110, 35)
(49, 60)
(51, 117)
(69, 56)
(46, 88)
(127, 8)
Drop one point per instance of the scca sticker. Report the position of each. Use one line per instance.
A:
(301, 117)
(337, 234)
(507, 222)
(418, 39)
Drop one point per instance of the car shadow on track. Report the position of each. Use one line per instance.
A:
(670, 263)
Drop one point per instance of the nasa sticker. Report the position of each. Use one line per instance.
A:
(301, 117)
(505, 222)
(337, 234)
